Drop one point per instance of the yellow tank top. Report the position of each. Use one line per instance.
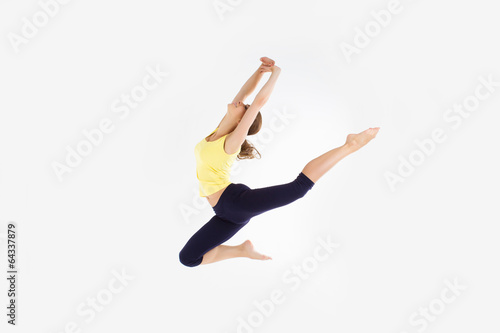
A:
(213, 165)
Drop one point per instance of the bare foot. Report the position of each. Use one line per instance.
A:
(250, 252)
(356, 141)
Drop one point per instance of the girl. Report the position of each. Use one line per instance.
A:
(235, 204)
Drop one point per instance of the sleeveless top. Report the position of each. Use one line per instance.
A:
(213, 165)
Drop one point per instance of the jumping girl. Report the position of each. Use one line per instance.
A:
(235, 204)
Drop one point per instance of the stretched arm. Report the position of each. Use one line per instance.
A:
(236, 138)
(249, 86)
(265, 92)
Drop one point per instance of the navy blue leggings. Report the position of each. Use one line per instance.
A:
(236, 206)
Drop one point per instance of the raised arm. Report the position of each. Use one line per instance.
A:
(236, 138)
(249, 86)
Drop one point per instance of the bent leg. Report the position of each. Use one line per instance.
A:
(222, 252)
(215, 232)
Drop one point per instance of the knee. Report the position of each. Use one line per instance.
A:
(189, 260)
(304, 184)
(301, 193)
(301, 190)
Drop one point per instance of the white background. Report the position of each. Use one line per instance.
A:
(132, 203)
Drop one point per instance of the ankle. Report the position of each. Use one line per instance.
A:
(241, 250)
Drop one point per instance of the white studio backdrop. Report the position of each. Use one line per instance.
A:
(407, 227)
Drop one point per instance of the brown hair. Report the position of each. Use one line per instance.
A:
(248, 151)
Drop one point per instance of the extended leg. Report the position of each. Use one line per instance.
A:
(315, 169)
(253, 202)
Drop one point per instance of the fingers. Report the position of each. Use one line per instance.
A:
(264, 68)
(267, 61)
